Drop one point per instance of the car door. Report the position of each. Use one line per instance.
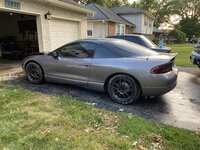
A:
(102, 64)
(72, 64)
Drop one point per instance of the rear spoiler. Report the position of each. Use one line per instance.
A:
(173, 55)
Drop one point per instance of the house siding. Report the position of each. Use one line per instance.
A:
(100, 29)
(44, 26)
(147, 29)
(138, 20)
(135, 19)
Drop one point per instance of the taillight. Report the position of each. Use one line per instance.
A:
(162, 68)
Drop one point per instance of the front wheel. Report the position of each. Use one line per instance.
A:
(34, 73)
(123, 89)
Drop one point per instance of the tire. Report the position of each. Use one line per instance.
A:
(123, 89)
(34, 73)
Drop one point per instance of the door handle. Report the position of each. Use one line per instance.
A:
(86, 65)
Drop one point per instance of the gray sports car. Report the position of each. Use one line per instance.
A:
(122, 69)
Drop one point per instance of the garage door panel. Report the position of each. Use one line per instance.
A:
(63, 31)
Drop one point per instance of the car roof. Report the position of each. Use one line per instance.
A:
(128, 35)
(98, 40)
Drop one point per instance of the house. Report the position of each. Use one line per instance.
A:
(142, 19)
(157, 33)
(32, 26)
(105, 23)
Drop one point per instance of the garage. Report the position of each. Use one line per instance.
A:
(30, 27)
(18, 35)
(63, 31)
(41, 25)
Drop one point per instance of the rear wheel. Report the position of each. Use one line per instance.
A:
(123, 89)
(34, 73)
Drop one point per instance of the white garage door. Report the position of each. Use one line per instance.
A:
(63, 31)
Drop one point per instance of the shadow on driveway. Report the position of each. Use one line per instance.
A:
(148, 108)
(180, 107)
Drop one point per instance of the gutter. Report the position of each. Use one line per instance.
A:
(67, 6)
(111, 20)
(149, 15)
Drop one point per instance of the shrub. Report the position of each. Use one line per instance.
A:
(156, 41)
(179, 35)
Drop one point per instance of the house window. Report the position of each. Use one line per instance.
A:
(150, 23)
(89, 32)
(145, 21)
(120, 29)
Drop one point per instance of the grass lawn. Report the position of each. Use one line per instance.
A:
(31, 120)
(184, 52)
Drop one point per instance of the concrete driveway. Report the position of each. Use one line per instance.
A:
(180, 107)
(9, 69)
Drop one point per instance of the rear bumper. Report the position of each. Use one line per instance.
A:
(161, 84)
(158, 91)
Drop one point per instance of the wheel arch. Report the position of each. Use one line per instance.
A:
(120, 73)
(33, 62)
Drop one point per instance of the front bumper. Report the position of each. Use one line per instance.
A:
(195, 58)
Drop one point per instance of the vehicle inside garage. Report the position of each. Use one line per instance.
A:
(18, 36)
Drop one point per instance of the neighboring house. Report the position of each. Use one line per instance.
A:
(142, 19)
(43, 25)
(157, 33)
(105, 23)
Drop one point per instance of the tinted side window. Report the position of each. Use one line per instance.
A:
(133, 39)
(79, 50)
(104, 52)
(131, 48)
(142, 42)
(116, 37)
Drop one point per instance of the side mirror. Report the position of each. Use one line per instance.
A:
(55, 54)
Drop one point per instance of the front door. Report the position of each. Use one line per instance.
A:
(73, 63)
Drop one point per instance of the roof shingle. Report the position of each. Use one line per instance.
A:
(130, 10)
(105, 14)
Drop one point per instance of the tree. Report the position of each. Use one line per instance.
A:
(187, 10)
(156, 7)
(189, 13)
(190, 26)
(116, 3)
(179, 35)
(105, 3)
(184, 8)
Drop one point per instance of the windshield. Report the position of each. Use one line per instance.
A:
(132, 49)
(149, 42)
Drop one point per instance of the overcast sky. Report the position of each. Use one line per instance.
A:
(130, 1)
